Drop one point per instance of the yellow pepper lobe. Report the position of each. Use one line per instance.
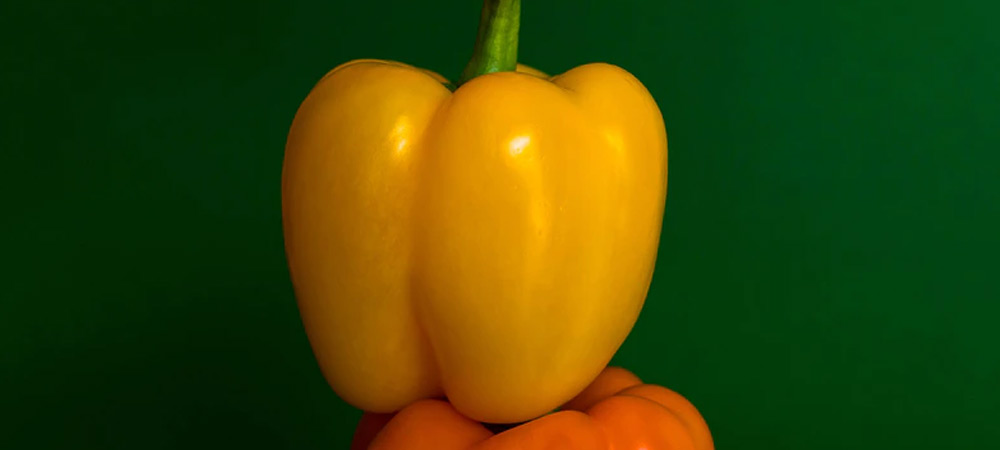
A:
(494, 244)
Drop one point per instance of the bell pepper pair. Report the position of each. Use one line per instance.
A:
(491, 243)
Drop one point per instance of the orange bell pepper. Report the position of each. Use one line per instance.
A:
(616, 411)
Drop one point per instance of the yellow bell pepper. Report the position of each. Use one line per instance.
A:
(493, 244)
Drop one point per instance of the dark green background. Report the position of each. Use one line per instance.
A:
(827, 276)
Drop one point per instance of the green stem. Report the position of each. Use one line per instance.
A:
(496, 42)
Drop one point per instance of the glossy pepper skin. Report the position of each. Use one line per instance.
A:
(617, 411)
(494, 244)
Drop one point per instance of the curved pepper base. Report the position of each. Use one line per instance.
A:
(617, 411)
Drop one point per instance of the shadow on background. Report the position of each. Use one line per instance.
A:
(180, 341)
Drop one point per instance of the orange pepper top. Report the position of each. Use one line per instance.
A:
(617, 411)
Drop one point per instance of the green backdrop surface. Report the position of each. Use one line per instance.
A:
(827, 274)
